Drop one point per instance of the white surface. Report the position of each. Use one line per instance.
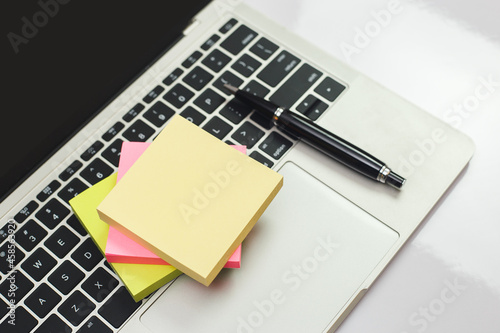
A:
(440, 55)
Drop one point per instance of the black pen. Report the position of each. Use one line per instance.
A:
(309, 132)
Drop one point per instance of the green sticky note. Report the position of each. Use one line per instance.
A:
(139, 279)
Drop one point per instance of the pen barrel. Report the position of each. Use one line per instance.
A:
(330, 144)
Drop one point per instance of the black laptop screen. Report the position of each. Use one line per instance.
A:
(62, 61)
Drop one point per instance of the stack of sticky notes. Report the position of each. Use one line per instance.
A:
(187, 200)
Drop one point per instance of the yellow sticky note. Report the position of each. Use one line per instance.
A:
(190, 199)
(139, 279)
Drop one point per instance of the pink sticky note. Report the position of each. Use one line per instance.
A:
(120, 248)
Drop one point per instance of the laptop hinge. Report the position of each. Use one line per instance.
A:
(192, 25)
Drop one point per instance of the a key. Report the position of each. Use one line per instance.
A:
(76, 225)
(10, 256)
(92, 150)
(210, 42)
(246, 65)
(61, 242)
(53, 324)
(113, 131)
(42, 300)
(94, 325)
(256, 89)
(112, 153)
(119, 307)
(38, 264)
(76, 308)
(66, 277)
(132, 113)
(228, 26)
(278, 68)
(173, 76)
(235, 111)
(100, 284)
(96, 171)
(217, 128)
(329, 89)
(30, 235)
(71, 170)
(52, 213)
(295, 86)
(193, 116)
(209, 100)
(178, 96)
(192, 59)
(26, 211)
(216, 60)
(264, 48)
(159, 114)
(15, 286)
(48, 190)
(153, 94)
(312, 107)
(239, 39)
(74, 187)
(248, 134)
(227, 78)
(275, 145)
(198, 78)
(262, 159)
(139, 131)
(25, 322)
(87, 255)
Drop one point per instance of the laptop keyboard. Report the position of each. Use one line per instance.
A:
(53, 272)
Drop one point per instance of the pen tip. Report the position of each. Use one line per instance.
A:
(232, 89)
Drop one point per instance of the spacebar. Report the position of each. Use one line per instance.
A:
(296, 86)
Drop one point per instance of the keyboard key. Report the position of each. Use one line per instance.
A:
(246, 65)
(153, 94)
(210, 42)
(193, 116)
(198, 78)
(216, 60)
(139, 131)
(53, 324)
(92, 150)
(263, 121)
(228, 26)
(74, 187)
(296, 86)
(217, 128)
(42, 300)
(15, 287)
(113, 131)
(248, 134)
(239, 39)
(312, 107)
(256, 88)
(112, 153)
(192, 59)
(173, 76)
(159, 114)
(209, 100)
(178, 95)
(48, 190)
(10, 256)
(26, 211)
(227, 78)
(277, 69)
(87, 255)
(76, 225)
(260, 158)
(8, 229)
(96, 171)
(132, 113)
(235, 111)
(66, 277)
(52, 213)
(119, 307)
(76, 308)
(62, 241)
(329, 89)
(94, 325)
(275, 145)
(38, 264)
(30, 235)
(71, 170)
(24, 322)
(100, 284)
(264, 48)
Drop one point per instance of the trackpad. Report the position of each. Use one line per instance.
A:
(305, 258)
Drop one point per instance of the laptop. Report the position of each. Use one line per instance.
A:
(83, 77)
